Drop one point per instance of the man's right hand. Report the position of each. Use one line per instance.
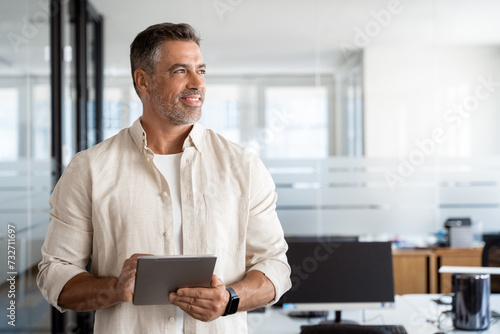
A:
(85, 292)
(126, 280)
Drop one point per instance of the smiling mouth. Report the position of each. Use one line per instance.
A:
(192, 99)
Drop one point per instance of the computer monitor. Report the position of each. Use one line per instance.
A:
(328, 274)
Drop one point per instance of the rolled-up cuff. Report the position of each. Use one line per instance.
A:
(278, 273)
(57, 283)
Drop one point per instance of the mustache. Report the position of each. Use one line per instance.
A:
(189, 92)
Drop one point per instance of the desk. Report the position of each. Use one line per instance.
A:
(418, 313)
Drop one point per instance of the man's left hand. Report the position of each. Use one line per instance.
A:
(205, 304)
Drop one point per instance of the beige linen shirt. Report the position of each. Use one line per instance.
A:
(112, 201)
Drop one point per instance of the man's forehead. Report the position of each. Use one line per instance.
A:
(181, 49)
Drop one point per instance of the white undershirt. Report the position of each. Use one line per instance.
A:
(170, 166)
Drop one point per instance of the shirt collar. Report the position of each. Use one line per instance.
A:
(194, 139)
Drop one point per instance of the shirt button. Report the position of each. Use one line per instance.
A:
(165, 234)
(171, 319)
(148, 159)
(165, 194)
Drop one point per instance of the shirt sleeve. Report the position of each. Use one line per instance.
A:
(266, 246)
(68, 243)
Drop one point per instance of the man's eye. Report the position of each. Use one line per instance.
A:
(201, 71)
(179, 71)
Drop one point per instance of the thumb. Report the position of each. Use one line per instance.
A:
(215, 282)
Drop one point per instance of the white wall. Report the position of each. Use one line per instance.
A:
(410, 91)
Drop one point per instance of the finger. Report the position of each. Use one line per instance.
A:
(126, 280)
(131, 262)
(189, 302)
(128, 272)
(134, 256)
(199, 293)
(196, 313)
(203, 293)
(175, 299)
(214, 282)
(125, 284)
(192, 305)
(200, 310)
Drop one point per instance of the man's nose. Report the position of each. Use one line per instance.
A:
(196, 81)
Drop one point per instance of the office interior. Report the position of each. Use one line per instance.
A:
(377, 119)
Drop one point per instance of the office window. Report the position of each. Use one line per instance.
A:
(273, 121)
(221, 111)
(296, 122)
(9, 123)
(121, 108)
(41, 125)
(352, 109)
(112, 111)
(134, 105)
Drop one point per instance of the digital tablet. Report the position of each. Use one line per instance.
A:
(157, 276)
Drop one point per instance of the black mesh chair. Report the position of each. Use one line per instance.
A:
(491, 258)
(341, 329)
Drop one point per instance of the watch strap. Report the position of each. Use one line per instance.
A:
(232, 304)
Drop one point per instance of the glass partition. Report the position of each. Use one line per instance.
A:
(25, 162)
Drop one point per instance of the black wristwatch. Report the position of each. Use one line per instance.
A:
(232, 305)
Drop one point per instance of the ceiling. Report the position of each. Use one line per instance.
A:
(268, 36)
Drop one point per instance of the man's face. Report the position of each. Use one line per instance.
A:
(179, 83)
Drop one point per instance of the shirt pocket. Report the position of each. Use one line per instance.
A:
(225, 221)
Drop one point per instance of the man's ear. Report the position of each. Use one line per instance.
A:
(142, 81)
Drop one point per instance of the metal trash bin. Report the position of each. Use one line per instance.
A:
(471, 301)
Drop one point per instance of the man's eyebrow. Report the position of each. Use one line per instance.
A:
(182, 65)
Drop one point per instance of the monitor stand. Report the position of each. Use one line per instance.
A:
(338, 320)
(308, 314)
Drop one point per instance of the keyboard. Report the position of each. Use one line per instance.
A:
(352, 329)
(392, 329)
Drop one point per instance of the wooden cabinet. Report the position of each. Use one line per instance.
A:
(416, 271)
(412, 271)
(468, 257)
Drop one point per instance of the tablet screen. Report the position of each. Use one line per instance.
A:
(157, 276)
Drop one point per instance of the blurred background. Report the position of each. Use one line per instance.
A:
(376, 118)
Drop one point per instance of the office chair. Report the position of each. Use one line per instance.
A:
(342, 329)
(491, 258)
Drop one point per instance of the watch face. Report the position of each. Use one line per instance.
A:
(232, 305)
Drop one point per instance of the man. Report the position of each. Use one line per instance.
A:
(164, 186)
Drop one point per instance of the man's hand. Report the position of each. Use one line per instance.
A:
(85, 292)
(126, 280)
(205, 304)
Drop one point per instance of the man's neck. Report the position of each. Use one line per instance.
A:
(163, 137)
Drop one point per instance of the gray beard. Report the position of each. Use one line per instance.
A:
(175, 112)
